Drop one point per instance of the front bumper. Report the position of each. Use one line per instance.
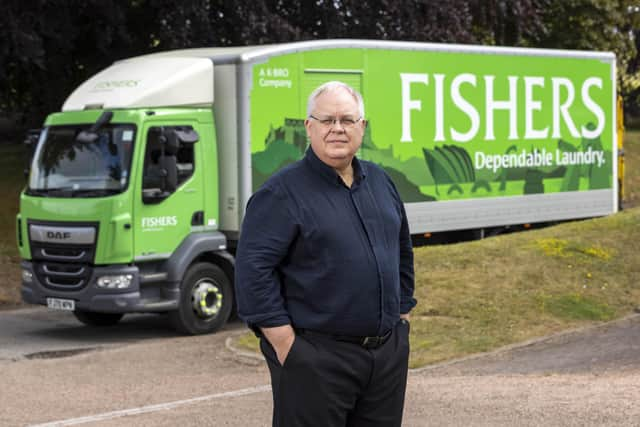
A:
(93, 298)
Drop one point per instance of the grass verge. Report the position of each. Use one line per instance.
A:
(12, 163)
(632, 169)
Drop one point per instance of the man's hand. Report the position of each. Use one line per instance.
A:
(281, 339)
(405, 317)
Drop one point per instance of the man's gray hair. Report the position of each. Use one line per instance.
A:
(330, 86)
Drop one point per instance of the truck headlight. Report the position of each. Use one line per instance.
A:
(27, 276)
(121, 281)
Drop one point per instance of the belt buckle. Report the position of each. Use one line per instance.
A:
(371, 342)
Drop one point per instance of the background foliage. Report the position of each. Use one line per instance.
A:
(47, 47)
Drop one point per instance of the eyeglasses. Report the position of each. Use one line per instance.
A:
(329, 122)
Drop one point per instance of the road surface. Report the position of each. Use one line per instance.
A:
(56, 372)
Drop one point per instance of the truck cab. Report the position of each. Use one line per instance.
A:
(120, 213)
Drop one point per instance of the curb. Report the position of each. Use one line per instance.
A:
(524, 344)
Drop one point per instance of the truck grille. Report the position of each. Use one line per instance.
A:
(61, 266)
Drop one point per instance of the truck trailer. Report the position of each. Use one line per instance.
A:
(137, 187)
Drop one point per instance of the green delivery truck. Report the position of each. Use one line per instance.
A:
(137, 187)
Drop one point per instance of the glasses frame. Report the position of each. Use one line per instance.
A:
(332, 122)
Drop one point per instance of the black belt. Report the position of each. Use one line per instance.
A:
(366, 342)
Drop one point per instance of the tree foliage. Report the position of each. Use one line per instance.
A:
(603, 25)
(47, 47)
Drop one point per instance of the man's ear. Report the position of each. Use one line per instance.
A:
(307, 123)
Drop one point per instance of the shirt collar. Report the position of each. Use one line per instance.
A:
(359, 172)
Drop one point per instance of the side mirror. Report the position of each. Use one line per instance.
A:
(169, 166)
(187, 135)
(168, 161)
(170, 142)
(30, 142)
(166, 177)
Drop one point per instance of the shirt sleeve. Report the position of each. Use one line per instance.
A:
(407, 277)
(267, 232)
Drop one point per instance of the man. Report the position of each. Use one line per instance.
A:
(324, 275)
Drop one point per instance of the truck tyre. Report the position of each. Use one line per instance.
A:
(206, 299)
(93, 318)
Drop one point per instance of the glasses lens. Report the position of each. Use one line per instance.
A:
(345, 122)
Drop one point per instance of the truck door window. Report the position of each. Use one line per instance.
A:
(155, 173)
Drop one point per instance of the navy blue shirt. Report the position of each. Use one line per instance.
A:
(319, 255)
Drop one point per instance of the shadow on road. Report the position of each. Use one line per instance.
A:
(38, 332)
(132, 327)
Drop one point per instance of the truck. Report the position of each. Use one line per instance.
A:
(137, 187)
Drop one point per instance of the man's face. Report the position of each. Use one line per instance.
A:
(335, 144)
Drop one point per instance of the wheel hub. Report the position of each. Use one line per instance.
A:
(206, 299)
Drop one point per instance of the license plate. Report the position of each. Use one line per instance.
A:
(61, 304)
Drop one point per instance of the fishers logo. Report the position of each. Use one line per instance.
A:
(158, 222)
(527, 95)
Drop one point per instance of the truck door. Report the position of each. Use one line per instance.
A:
(170, 199)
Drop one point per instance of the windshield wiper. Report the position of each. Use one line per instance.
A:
(56, 192)
(38, 192)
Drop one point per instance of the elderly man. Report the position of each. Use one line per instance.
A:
(324, 275)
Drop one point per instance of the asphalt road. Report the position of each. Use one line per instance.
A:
(34, 332)
(55, 371)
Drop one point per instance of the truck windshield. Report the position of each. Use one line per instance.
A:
(65, 167)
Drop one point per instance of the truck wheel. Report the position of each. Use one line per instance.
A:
(205, 302)
(93, 318)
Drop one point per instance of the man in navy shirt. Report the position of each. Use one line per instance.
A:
(324, 275)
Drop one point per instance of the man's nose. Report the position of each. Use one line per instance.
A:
(337, 127)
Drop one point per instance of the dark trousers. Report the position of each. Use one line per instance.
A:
(327, 383)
